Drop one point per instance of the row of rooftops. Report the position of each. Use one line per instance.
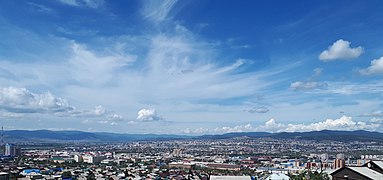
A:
(372, 170)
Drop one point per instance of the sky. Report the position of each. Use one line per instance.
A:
(191, 67)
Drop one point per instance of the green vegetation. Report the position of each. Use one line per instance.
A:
(309, 175)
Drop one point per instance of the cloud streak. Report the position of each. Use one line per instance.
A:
(94, 4)
(299, 85)
(157, 11)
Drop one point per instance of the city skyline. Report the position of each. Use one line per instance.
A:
(191, 67)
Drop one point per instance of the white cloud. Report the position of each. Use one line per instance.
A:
(299, 85)
(376, 120)
(239, 128)
(196, 131)
(157, 11)
(340, 50)
(271, 126)
(20, 100)
(148, 114)
(97, 112)
(343, 123)
(14, 102)
(113, 123)
(376, 67)
(219, 130)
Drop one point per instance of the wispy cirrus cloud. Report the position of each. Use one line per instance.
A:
(178, 71)
(92, 69)
(40, 8)
(174, 68)
(375, 114)
(338, 87)
(84, 3)
(186, 68)
(111, 58)
(310, 85)
(157, 11)
(349, 88)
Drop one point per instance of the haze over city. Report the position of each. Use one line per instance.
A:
(191, 67)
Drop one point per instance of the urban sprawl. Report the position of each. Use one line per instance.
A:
(234, 158)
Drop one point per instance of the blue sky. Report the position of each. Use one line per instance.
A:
(191, 67)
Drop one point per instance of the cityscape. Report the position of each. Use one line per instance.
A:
(237, 157)
(191, 89)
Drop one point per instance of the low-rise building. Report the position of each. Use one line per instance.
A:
(92, 159)
(370, 171)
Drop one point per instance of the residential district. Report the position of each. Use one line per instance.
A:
(202, 159)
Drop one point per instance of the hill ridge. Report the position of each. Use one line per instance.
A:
(83, 136)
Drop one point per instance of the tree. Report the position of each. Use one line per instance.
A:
(308, 175)
(66, 175)
(90, 176)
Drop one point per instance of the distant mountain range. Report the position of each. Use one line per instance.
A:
(345, 136)
(48, 136)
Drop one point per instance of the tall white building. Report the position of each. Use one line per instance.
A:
(78, 158)
(11, 150)
(92, 159)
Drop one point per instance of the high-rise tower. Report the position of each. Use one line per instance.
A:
(2, 136)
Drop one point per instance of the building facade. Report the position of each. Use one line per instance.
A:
(11, 150)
